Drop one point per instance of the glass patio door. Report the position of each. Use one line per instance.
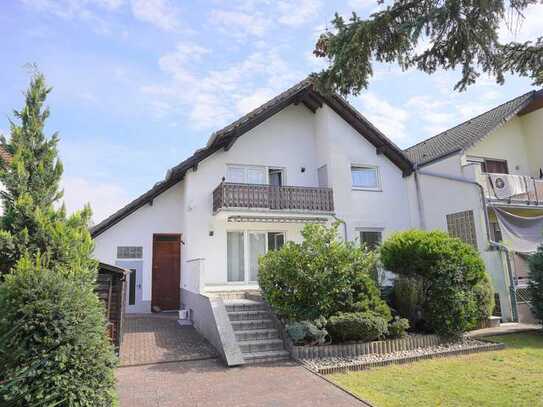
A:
(257, 248)
(243, 250)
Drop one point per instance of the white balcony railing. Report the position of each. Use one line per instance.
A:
(514, 189)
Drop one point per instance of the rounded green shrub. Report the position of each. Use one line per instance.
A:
(357, 326)
(54, 347)
(408, 298)
(307, 332)
(397, 328)
(455, 285)
(321, 276)
(536, 283)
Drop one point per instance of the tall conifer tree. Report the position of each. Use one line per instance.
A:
(34, 221)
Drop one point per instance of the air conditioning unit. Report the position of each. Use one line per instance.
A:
(184, 314)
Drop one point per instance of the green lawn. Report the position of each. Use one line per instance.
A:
(510, 377)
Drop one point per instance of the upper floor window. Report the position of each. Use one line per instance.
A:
(245, 174)
(495, 166)
(365, 177)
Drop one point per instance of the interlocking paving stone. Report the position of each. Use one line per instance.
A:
(208, 383)
(159, 338)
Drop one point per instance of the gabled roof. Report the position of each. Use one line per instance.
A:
(302, 92)
(471, 131)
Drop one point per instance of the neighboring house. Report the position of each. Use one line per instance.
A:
(300, 158)
(472, 177)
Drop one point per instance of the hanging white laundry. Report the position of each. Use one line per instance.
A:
(521, 234)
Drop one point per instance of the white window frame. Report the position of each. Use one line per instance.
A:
(377, 188)
(130, 258)
(369, 229)
(246, 264)
(266, 169)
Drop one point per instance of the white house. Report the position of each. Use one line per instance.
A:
(194, 238)
(302, 157)
(482, 181)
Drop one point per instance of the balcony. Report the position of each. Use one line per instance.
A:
(276, 198)
(513, 189)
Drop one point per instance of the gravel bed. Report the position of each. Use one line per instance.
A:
(339, 362)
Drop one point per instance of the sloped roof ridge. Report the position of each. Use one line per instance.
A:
(469, 121)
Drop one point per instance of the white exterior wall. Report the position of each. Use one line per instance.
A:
(532, 123)
(506, 143)
(519, 141)
(442, 197)
(286, 141)
(342, 146)
(165, 215)
(293, 139)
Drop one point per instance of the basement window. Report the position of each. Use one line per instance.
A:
(370, 238)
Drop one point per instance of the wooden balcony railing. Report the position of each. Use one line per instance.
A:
(257, 196)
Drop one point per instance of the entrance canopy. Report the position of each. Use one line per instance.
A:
(520, 234)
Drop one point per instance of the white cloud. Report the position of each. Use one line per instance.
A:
(211, 98)
(104, 198)
(433, 115)
(72, 8)
(296, 13)
(160, 13)
(260, 96)
(362, 4)
(391, 120)
(524, 29)
(89, 11)
(240, 24)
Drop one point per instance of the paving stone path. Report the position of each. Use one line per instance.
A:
(152, 339)
(208, 383)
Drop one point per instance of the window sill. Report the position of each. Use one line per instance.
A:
(367, 189)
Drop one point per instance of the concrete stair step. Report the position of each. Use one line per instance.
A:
(244, 305)
(267, 356)
(256, 334)
(260, 345)
(252, 324)
(247, 315)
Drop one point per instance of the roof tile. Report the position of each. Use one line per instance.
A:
(468, 133)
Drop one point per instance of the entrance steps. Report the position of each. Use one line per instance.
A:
(257, 336)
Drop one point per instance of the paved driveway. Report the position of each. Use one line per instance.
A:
(209, 383)
(156, 338)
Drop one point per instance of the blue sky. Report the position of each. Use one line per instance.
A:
(138, 85)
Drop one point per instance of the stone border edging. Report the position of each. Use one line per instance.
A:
(411, 342)
(368, 365)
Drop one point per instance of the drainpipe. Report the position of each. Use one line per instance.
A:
(344, 226)
(420, 202)
(492, 243)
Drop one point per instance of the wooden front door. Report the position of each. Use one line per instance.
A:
(166, 271)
